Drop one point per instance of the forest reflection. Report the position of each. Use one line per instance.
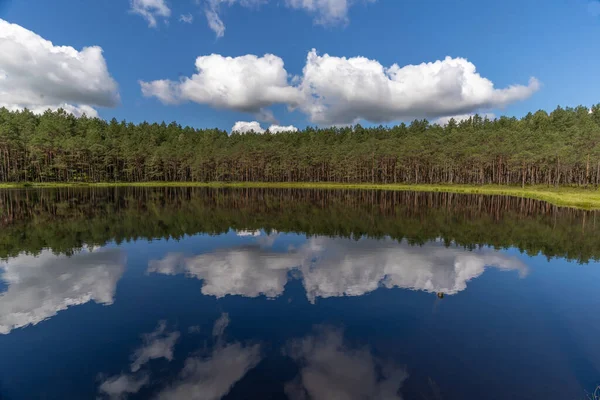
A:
(66, 220)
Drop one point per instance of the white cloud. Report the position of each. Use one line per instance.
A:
(458, 118)
(325, 12)
(246, 83)
(245, 127)
(337, 267)
(186, 18)
(39, 287)
(36, 74)
(151, 10)
(214, 22)
(158, 344)
(332, 370)
(212, 9)
(254, 126)
(77, 111)
(279, 129)
(118, 387)
(341, 90)
(338, 90)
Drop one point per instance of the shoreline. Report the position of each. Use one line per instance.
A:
(564, 196)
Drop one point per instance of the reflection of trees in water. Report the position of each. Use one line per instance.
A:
(65, 219)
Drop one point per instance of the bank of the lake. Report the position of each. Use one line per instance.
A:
(565, 196)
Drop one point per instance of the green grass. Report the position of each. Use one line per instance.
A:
(567, 196)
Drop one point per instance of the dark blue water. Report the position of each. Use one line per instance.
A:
(247, 314)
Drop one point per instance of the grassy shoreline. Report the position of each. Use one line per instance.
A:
(576, 197)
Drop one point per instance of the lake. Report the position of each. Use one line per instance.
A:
(198, 293)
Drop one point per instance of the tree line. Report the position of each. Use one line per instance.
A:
(559, 148)
(64, 220)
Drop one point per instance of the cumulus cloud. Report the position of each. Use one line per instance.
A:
(39, 287)
(246, 84)
(279, 128)
(245, 127)
(254, 126)
(186, 18)
(36, 74)
(337, 267)
(463, 117)
(150, 10)
(330, 369)
(158, 344)
(212, 377)
(339, 90)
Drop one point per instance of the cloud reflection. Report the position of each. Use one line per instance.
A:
(38, 287)
(332, 267)
(207, 376)
(211, 377)
(247, 271)
(157, 344)
(120, 386)
(330, 369)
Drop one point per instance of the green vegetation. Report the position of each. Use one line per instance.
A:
(65, 219)
(560, 148)
(576, 197)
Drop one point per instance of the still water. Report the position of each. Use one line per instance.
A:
(190, 293)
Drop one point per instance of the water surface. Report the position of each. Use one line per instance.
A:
(194, 293)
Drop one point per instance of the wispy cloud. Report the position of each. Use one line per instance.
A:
(186, 18)
(150, 10)
(324, 12)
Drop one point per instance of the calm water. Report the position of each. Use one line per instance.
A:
(273, 294)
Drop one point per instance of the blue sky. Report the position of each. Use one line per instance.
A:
(508, 42)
